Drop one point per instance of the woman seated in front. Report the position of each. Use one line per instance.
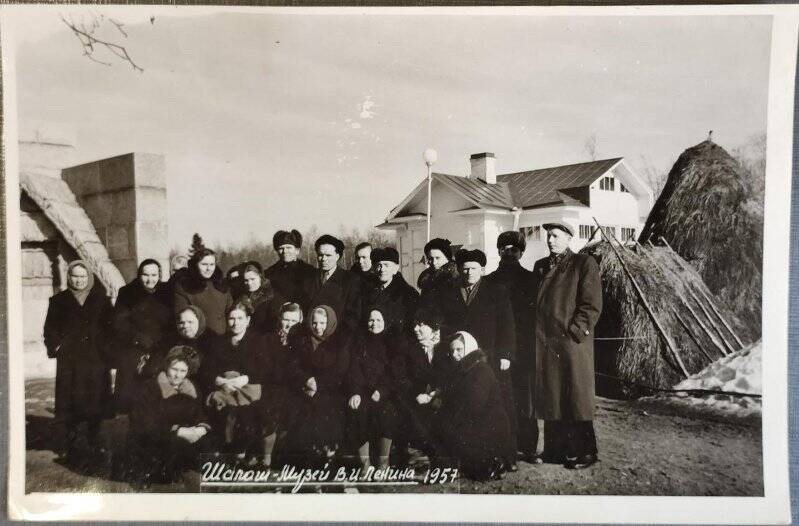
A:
(421, 371)
(318, 362)
(169, 428)
(371, 416)
(472, 429)
(241, 379)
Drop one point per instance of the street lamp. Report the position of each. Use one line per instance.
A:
(430, 158)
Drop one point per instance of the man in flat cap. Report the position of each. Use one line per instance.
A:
(518, 281)
(483, 309)
(390, 294)
(568, 304)
(289, 272)
(332, 285)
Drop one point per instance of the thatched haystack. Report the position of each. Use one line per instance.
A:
(629, 345)
(710, 213)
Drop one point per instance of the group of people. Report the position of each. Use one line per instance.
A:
(304, 364)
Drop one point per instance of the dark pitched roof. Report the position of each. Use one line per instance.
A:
(540, 187)
(531, 188)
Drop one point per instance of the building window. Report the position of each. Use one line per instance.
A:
(627, 234)
(531, 233)
(609, 231)
(623, 188)
(586, 231)
(607, 183)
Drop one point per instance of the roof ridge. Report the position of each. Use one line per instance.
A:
(615, 159)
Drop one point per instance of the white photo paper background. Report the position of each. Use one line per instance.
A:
(660, 137)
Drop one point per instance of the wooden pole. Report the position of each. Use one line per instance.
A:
(696, 318)
(691, 334)
(669, 343)
(720, 317)
(716, 327)
(710, 301)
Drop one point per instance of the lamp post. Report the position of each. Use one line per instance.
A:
(430, 158)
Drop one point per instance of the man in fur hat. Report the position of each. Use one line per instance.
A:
(390, 293)
(518, 281)
(568, 304)
(288, 274)
(483, 309)
(332, 285)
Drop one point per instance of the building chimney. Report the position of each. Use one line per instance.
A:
(483, 167)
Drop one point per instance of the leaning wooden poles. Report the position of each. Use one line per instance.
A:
(669, 342)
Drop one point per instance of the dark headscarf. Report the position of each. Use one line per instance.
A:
(80, 294)
(149, 261)
(200, 319)
(332, 321)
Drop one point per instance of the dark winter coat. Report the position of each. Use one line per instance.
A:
(200, 343)
(568, 305)
(472, 424)
(397, 302)
(141, 320)
(367, 278)
(252, 358)
(287, 278)
(414, 374)
(266, 305)
(210, 295)
(490, 319)
(78, 337)
(370, 370)
(156, 415)
(519, 283)
(319, 419)
(433, 282)
(341, 292)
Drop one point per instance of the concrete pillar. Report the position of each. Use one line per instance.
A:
(125, 197)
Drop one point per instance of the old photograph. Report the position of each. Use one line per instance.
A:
(261, 251)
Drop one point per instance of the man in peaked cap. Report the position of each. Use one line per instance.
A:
(390, 293)
(518, 281)
(568, 302)
(483, 309)
(332, 285)
(289, 272)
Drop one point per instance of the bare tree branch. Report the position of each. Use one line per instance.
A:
(90, 42)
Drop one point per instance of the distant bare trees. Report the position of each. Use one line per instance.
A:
(88, 34)
(589, 146)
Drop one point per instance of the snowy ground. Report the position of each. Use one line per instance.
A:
(646, 448)
(740, 372)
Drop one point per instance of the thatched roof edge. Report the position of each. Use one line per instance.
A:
(58, 203)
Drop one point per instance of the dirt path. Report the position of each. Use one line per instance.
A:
(646, 448)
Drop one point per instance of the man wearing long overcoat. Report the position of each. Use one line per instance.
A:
(519, 283)
(289, 272)
(483, 309)
(391, 295)
(568, 305)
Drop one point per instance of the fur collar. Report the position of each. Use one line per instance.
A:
(168, 390)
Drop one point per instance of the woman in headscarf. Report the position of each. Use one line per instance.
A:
(318, 362)
(441, 273)
(76, 332)
(472, 428)
(142, 317)
(371, 416)
(189, 331)
(260, 294)
(421, 371)
(242, 380)
(203, 286)
(169, 429)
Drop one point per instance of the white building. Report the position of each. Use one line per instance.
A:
(472, 211)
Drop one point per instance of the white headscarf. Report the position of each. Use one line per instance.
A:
(469, 343)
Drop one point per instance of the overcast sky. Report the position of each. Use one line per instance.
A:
(268, 120)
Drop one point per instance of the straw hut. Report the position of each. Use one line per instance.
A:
(712, 216)
(673, 327)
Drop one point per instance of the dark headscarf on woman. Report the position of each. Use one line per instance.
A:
(332, 321)
(149, 261)
(80, 294)
(201, 324)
